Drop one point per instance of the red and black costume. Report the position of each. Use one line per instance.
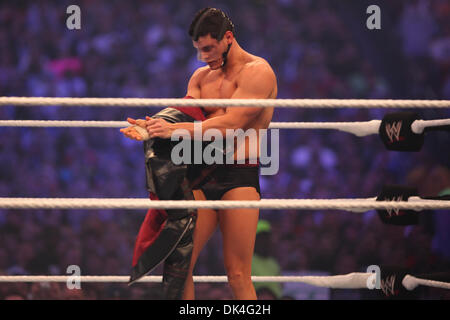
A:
(167, 235)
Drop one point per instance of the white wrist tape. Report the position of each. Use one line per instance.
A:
(143, 132)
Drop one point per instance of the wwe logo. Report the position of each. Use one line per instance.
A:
(394, 211)
(393, 131)
(388, 285)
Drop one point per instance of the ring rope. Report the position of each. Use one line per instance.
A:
(360, 128)
(355, 280)
(286, 103)
(354, 205)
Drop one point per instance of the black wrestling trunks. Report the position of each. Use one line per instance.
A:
(229, 176)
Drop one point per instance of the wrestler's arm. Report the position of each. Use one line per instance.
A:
(193, 88)
(256, 83)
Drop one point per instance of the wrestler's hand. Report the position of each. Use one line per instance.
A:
(158, 128)
(131, 132)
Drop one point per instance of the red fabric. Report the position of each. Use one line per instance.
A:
(194, 112)
(150, 229)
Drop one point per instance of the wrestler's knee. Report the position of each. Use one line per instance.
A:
(238, 277)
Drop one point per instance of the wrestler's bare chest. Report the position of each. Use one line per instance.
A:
(217, 85)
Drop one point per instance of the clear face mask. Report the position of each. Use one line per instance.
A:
(210, 56)
(213, 55)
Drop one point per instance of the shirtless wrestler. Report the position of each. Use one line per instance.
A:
(231, 73)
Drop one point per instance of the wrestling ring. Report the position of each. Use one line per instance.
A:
(398, 131)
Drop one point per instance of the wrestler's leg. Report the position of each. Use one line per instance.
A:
(205, 226)
(238, 228)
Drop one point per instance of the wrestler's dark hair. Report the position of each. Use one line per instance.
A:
(211, 21)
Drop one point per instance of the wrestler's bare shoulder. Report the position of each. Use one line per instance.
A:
(257, 62)
(200, 73)
(257, 66)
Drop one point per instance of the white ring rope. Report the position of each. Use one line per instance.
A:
(360, 129)
(355, 280)
(64, 123)
(355, 205)
(286, 103)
